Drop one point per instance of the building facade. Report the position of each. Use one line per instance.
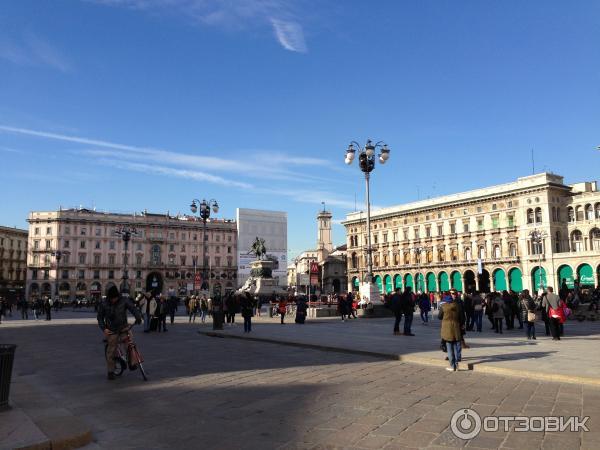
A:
(13, 262)
(270, 226)
(483, 239)
(163, 255)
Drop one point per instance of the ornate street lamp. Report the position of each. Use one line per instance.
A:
(366, 162)
(125, 232)
(537, 240)
(203, 209)
(58, 254)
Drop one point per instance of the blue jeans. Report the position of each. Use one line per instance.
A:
(425, 316)
(458, 353)
(453, 352)
(477, 320)
(530, 329)
(247, 324)
(408, 318)
(147, 322)
(202, 315)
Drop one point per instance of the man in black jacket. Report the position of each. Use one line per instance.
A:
(112, 320)
(407, 307)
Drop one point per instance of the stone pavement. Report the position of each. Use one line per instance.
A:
(575, 358)
(211, 393)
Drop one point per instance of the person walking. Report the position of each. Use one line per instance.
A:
(172, 304)
(395, 306)
(192, 309)
(203, 308)
(24, 309)
(498, 313)
(247, 308)
(407, 306)
(507, 304)
(452, 322)
(553, 307)
(468, 307)
(477, 303)
(424, 308)
(301, 310)
(48, 308)
(282, 309)
(528, 313)
(163, 310)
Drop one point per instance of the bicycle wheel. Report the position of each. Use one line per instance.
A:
(120, 363)
(138, 360)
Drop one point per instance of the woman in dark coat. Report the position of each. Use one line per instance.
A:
(247, 308)
(301, 311)
(528, 307)
(452, 323)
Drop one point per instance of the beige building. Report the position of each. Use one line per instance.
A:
(160, 256)
(13, 262)
(483, 239)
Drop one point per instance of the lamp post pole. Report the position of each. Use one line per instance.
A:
(58, 254)
(366, 161)
(203, 208)
(125, 232)
(537, 238)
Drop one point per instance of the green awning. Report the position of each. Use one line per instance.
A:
(398, 281)
(565, 273)
(444, 282)
(457, 281)
(538, 275)
(515, 277)
(356, 282)
(379, 283)
(431, 284)
(409, 281)
(499, 280)
(388, 284)
(585, 273)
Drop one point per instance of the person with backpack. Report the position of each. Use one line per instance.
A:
(528, 308)
(477, 304)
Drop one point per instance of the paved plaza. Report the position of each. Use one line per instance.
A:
(219, 393)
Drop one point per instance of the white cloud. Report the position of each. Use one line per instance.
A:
(33, 51)
(290, 35)
(228, 14)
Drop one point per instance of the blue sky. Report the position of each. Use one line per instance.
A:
(133, 104)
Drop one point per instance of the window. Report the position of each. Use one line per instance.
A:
(570, 214)
(171, 235)
(36, 231)
(96, 259)
(111, 245)
(385, 239)
(218, 249)
(97, 245)
(530, 217)
(554, 214)
(375, 239)
(538, 215)
(511, 220)
(578, 213)
(138, 259)
(428, 232)
(440, 230)
(206, 237)
(36, 245)
(36, 260)
(171, 259)
(81, 244)
(96, 274)
(479, 209)
(589, 212)
(65, 275)
(67, 229)
(65, 258)
(537, 247)
(48, 244)
(466, 226)
(34, 274)
(81, 274)
(46, 260)
(218, 236)
(138, 274)
(183, 248)
(46, 274)
(512, 249)
(557, 243)
(509, 204)
(171, 247)
(111, 274)
(441, 255)
(454, 254)
(112, 259)
(480, 224)
(98, 231)
(495, 222)
(139, 247)
(468, 254)
(494, 207)
(182, 260)
(405, 232)
(595, 239)
(82, 258)
(497, 251)
(48, 230)
(218, 261)
(195, 237)
(481, 252)
(67, 244)
(576, 241)
(83, 231)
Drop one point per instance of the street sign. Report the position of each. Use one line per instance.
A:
(314, 267)
(303, 279)
(197, 280)
(314, 279)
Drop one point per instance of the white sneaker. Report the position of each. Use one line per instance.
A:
(449, 369)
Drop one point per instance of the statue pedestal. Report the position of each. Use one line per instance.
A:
(371, 291)
(262, 282)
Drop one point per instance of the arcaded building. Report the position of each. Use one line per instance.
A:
(162, 256)
(13, 262)
(534, 231)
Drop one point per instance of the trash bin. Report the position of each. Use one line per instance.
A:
(7, 356)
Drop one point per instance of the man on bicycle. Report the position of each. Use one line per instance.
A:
(112, 320)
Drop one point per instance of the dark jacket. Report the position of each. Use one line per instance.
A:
(527, 305)
(247, 305)
(406, 304)
(114, 315)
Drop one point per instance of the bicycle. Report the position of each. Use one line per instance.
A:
(127, 346)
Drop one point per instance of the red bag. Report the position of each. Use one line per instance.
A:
(558, 313)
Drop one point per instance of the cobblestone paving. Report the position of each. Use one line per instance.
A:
(216, 393)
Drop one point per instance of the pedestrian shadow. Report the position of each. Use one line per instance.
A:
(474, 360)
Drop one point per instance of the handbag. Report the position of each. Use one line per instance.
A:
(530, 316)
